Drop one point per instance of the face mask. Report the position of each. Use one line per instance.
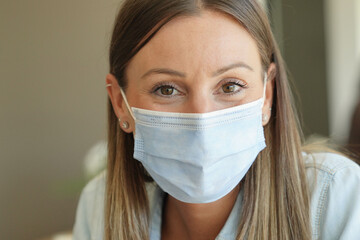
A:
(199, 158)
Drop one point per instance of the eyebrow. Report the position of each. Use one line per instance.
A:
(164, 71)
(232, 66)
(183, 75)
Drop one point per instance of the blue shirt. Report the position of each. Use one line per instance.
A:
(334, 184)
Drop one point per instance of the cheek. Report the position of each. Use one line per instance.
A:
(254, 92)
(138, 97)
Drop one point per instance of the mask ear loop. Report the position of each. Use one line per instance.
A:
(127, 104)
(264, 90)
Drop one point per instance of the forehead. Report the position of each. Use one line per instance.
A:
(205, 41)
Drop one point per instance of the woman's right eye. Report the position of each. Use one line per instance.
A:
(166, 90)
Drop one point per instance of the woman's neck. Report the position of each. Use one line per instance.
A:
(196, 221)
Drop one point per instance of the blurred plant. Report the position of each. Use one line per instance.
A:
(95, 160)
(93, 164)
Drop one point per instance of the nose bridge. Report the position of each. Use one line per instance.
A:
(200, 101)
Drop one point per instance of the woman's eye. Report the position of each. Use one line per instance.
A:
(230, 87)
(166, 91)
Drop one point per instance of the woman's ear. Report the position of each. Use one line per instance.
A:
(269, 93)
(126, 122)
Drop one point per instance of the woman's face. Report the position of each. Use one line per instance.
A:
(194, 64)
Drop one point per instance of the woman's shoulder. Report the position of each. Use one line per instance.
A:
(329, 162)
(94, 191)
(96, 184)
(334, 184)
(89, 220)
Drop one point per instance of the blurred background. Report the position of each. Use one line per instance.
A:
(53, 63)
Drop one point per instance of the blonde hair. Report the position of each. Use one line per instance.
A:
(276, 198)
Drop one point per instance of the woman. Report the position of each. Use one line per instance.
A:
(204, 141)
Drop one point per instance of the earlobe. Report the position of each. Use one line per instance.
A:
(125, 126)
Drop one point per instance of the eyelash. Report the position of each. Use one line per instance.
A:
(239, 83)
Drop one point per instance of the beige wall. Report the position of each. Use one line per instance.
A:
(53, 62)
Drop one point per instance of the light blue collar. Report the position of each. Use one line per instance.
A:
(156, 200)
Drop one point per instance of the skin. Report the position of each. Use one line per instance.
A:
(194, 64)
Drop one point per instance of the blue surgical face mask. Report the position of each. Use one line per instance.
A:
(199, 157)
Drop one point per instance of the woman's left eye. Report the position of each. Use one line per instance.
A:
(232, 87)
